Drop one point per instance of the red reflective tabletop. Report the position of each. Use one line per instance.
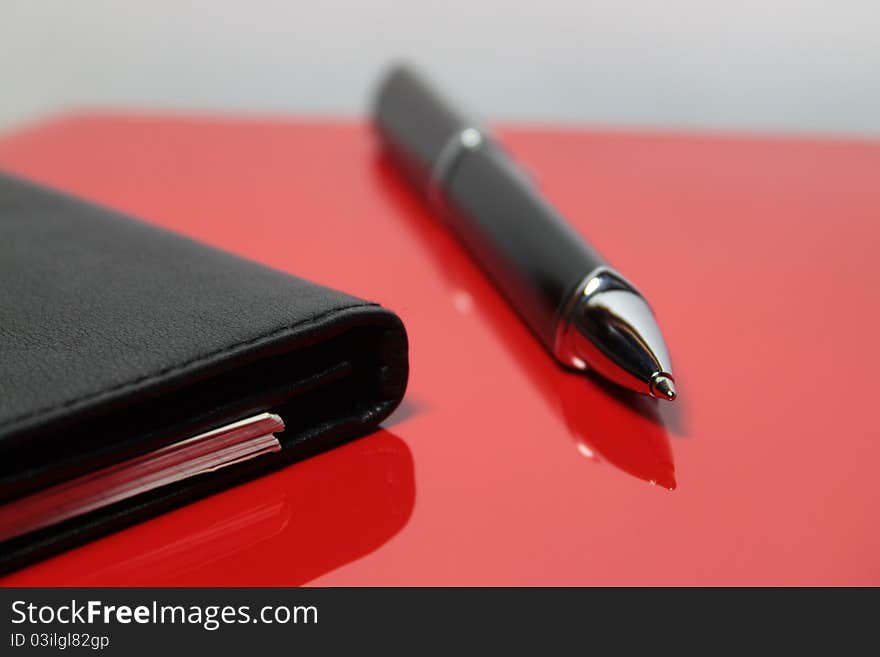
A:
(759, 256)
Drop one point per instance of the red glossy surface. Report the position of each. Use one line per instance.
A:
(759, 255)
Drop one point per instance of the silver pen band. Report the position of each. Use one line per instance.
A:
(459, 143)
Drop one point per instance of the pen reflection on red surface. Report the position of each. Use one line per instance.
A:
(285, 528)
(606, 423)
(626, 433)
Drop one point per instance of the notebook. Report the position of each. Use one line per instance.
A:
(141, 370)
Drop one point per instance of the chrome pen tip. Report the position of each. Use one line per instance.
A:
(662, 386)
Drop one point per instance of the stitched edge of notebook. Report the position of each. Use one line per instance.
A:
(18, 419)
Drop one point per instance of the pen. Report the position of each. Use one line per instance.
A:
(585, 313)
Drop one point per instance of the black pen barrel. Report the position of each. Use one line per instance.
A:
(415, 122)
(533, 256)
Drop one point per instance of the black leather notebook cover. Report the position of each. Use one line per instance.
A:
(117, 337)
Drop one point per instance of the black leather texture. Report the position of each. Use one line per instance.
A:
(118, 337)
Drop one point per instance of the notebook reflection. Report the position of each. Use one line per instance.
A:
(607, 424)
(285, 528)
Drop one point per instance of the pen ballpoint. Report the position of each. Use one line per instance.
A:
(585, 313)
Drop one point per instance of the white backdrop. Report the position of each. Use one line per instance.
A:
(753, 65)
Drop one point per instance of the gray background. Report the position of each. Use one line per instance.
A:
(745, 65)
